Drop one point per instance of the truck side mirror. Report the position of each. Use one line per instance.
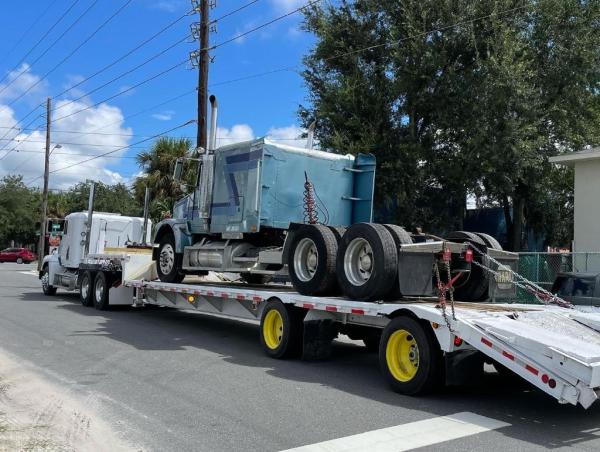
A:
(177, 173)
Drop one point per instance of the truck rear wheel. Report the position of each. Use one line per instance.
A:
(311, 260)
(367, 262)
(475, 288)
(281, 330)
(410, 357)
(85, 288)
(168, 264)
(100, 293)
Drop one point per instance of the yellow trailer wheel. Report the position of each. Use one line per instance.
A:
(410, 356)
(281, 329)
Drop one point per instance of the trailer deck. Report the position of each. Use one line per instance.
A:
(554, 348)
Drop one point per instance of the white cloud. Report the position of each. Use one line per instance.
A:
(166, 115)
(27, 158)
(288, 135)
(18, 81)
(237, 133)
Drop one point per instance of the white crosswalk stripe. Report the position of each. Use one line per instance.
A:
(409, 436)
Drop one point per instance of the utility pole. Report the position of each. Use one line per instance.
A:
(42, 242)
(204, 59)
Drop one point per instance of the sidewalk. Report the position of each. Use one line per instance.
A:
(38, 416)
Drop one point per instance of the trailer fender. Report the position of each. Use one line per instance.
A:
(320, 329)
(179, 229)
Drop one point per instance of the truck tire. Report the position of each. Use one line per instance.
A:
(410, 357)
(476, 287)
(338, 231)
(311, 260)
(489, 241)
(86, 284)
(281, 329)
(367, 262)
(100, 292)
(46, 287)
(401, 237)
(399, 234)
(168, 264)
(372, 340)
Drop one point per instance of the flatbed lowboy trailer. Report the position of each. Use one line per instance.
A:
(421, 343)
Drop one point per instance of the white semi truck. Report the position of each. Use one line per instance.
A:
(95, 256)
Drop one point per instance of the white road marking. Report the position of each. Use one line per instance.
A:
(30, 272)
(409, 436)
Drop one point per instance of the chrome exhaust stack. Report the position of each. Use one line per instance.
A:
(212, 139)
(311, 135)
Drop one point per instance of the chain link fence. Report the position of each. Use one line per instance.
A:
(542, 268)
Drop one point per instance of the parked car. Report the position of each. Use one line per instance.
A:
(582, 289)
(18, 255)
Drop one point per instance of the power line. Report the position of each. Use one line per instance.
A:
(120, 93)
(266, 24)
(19, 122)
(5, 155)
(122, 57)
(129, 71)
(191, 121)
(26, 32)
(85, 41)
(81, 16)
(231, 13)
(68, 143)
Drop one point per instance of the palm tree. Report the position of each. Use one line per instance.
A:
(157, 164)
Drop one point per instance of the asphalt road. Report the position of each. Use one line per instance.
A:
(174, 381)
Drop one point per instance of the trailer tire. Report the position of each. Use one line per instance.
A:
(367, 262)
(86, 288)
(338, 231)
(46, 287)
(399, 234)
(311, 260)
(100, 292)
(168, 263)
(476, 287)
(410, 357)
(281, 330)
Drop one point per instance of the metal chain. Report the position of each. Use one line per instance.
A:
(442, 298)
(451, 290)
(528, 286)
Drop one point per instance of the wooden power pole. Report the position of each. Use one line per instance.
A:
(42, 242)
(203, 60)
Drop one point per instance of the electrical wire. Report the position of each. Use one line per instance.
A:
(19, 122)
(120, 93)
(26, 32)
(69, 28)
(191, 121)
(129, 71)
(70, 54)
(260, 27)
(231, 13)
(5, 155)
(125, 55)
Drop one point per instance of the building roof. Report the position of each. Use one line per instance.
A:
(574, 157)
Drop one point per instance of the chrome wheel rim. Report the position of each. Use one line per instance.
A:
(99, 289)
(306, 260)
(85, 287)
(358, 262)
(45, 280)
(167, 259)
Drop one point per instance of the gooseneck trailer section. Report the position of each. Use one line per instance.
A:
(421, 345)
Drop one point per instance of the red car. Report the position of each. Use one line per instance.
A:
(18, 255)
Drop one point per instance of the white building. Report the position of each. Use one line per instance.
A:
(587, 197)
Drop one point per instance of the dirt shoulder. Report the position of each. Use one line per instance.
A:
(36, 415)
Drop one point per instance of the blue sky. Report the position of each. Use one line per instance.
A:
(255, 107)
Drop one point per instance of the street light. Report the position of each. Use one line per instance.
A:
(56, 146)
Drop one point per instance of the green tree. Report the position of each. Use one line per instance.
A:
(475, 107)
(19, 212)
(157, 164)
